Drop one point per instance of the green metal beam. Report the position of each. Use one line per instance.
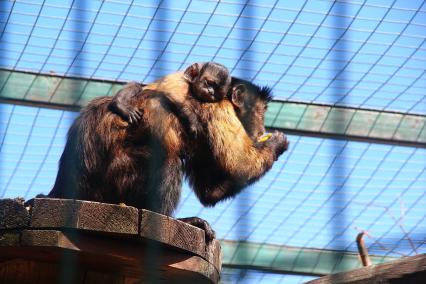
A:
(294, 260)
(293, 117)
(52, 89)
(349, 123)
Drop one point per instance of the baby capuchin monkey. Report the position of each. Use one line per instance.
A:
(205, 82)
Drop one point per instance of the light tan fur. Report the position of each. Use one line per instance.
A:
(174, 85)
(228, 136)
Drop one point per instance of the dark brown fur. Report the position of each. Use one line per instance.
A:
(105, 160)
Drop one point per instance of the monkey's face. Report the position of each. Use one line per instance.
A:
(210, 89)
(209, 82)
(252, 116)
(258, 119)
(250, 103)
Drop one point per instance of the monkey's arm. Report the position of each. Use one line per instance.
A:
(235, 162)
(234, 151)
(187, 116)
(123, 102)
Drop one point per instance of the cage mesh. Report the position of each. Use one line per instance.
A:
(324, 190)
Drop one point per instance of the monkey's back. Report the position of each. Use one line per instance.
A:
(173, 85)
(107, 160)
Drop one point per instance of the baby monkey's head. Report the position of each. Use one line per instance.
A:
(209, 82)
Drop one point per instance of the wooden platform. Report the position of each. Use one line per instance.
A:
(72, 241)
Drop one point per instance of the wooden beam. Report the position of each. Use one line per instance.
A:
(405, 270)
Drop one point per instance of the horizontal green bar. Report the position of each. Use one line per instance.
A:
(52, 89)
(284, 259)
(302, 118)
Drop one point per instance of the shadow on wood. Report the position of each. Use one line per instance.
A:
(73, 241)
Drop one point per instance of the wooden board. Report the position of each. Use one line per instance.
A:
(405, 270)
(13, 214)
(170, 231)
(84, 215)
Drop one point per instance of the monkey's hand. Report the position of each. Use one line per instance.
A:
(278, 142)
(202, 224)
(129, 113)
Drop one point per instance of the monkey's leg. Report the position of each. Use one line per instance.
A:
(202, 224)
(194, 125)
(169, 186)
(162, 182)
(188, 117)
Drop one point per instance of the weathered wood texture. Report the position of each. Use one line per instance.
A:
(73, 241)
(13, 214)
(85, 215)
(406, 270)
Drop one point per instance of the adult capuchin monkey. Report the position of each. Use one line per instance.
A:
(105, 160)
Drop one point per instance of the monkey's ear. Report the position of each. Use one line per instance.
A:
(192, 72)
(237, 95)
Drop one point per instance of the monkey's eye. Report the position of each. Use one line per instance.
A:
(210, 83)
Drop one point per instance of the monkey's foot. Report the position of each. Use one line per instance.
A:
(202, 224)
(29, 203)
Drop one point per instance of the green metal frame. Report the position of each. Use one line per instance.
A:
(294, 117)
(284, 259)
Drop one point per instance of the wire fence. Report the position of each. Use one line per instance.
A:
(292, 47)
(324, 191)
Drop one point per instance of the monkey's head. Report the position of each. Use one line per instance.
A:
(250, 103)
(209, 82)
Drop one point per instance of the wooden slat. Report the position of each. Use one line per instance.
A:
(84, 215)
(13, 214)
(173, 232)
(8, 238)
(406, 270)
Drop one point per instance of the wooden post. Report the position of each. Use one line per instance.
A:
(362, 250)
(73, 241)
